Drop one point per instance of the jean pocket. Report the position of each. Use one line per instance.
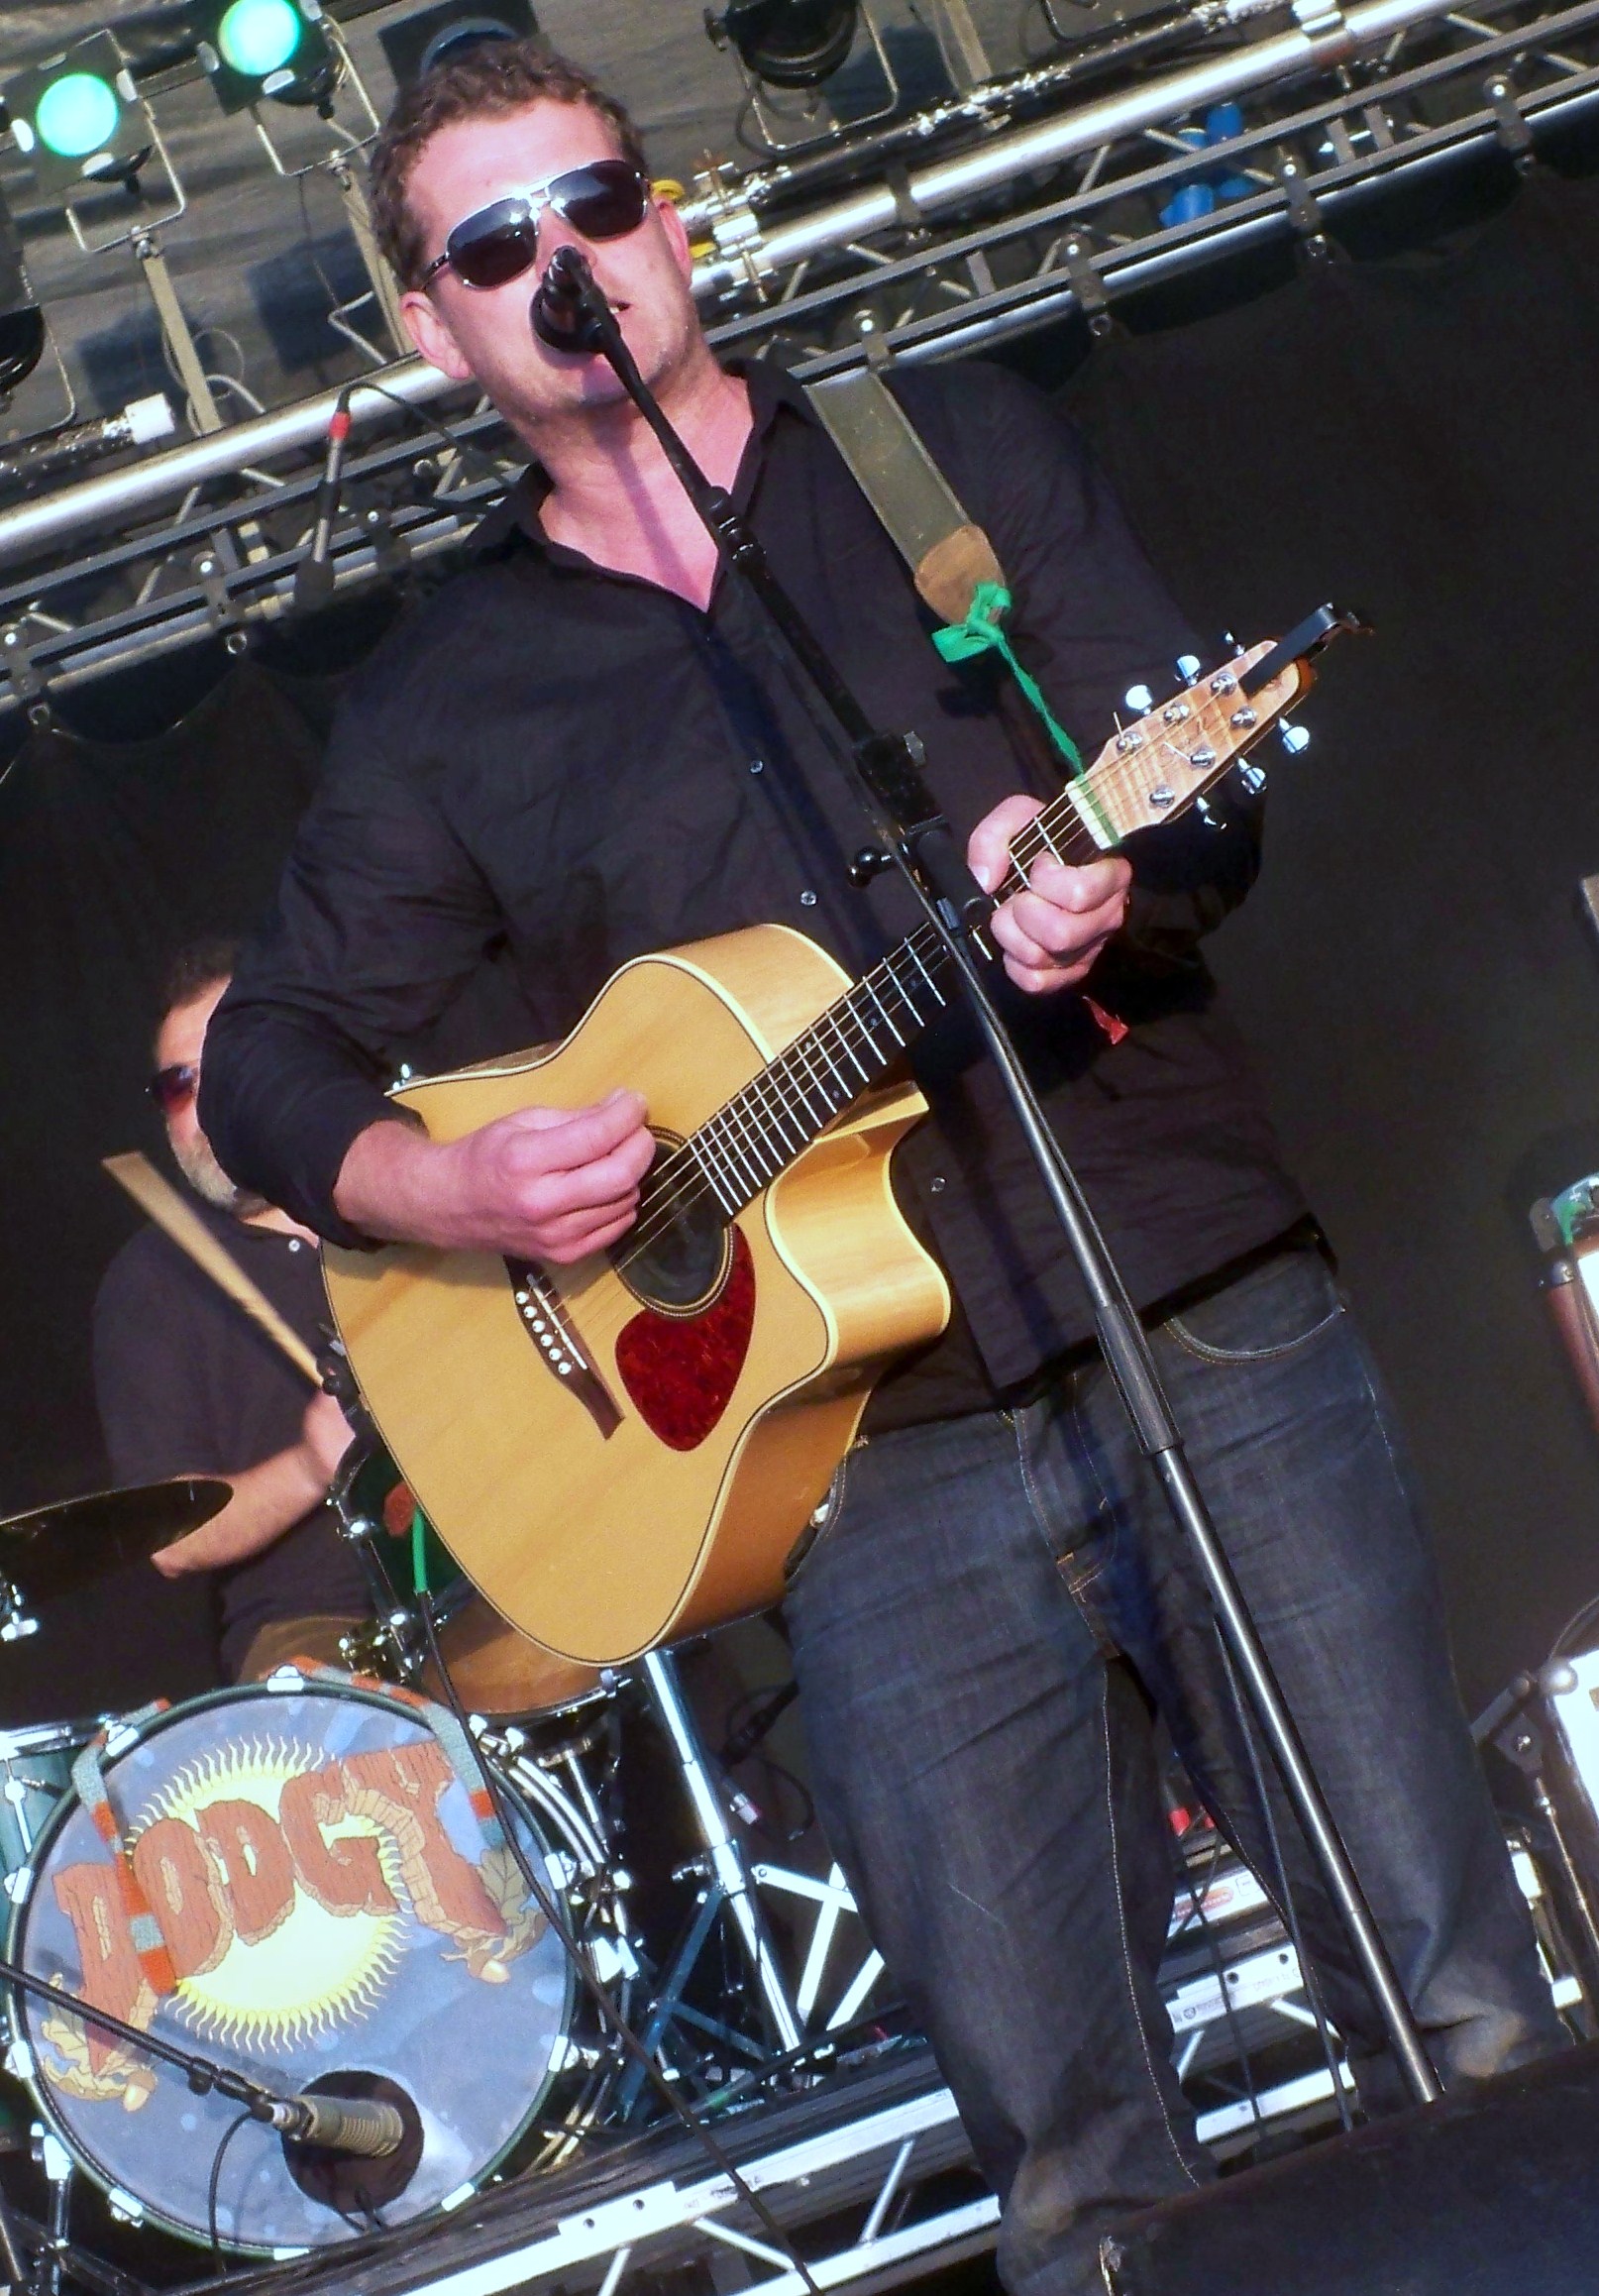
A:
(1268, 1314)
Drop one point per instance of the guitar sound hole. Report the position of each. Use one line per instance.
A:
(683, 1263)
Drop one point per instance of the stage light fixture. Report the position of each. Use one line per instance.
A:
(264, 49)
(789, 44)
(77, 119)
(22, 322)
(414, 45)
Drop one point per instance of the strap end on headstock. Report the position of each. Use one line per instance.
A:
(1303, 642)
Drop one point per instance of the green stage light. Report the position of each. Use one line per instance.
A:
(254, 49)
(77, 118)
(78, 115)
(258, 38)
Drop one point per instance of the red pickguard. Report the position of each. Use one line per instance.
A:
(680, 1370)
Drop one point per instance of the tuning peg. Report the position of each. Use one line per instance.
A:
(1138, 699)
(1251, 779)
(1208, 814)
(1294, 738)
(1237, 644)
(1188, 668)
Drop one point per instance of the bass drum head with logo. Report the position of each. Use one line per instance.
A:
(330, 1906)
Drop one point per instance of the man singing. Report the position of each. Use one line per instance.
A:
(589, 747)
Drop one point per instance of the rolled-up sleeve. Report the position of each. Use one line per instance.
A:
(379, 919)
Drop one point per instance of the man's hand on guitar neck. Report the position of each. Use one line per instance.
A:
(1049, 935)
(543, 1184)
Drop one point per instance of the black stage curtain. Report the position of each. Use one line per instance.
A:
(1420, 437)
(1414, 434)
(119, 843)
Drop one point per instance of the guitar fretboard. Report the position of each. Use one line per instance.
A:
(1149, 772)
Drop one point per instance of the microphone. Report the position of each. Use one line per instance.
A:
(139, 423)
(313, 577)
(564, 303)
(339, 2125)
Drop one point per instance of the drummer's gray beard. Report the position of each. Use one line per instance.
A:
(207, 1179)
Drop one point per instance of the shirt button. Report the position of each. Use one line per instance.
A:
(294, 1244)
(938, 1184)
(756, 765)
(808, 899)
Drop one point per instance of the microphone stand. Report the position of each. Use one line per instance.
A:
(201, 2073)
(570, 313)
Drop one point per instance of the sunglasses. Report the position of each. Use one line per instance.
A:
(173, 1088)
(496, 244)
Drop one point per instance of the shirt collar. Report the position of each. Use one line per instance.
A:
(513, 524)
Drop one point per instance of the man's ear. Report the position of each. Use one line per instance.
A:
(432, 336)
(676, 236)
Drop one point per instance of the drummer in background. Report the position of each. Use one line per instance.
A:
(187, 1385)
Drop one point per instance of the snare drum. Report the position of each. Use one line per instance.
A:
(329, 1905)
(35, 1770)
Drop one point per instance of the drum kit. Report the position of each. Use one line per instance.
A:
(312, 1882)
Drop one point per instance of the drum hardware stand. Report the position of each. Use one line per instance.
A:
(570, 313)
(539, 1891)
(723, 1860)
(16, 1622)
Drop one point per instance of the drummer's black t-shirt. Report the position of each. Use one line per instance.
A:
(187, 1385)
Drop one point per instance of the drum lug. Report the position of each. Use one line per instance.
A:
(19, 2061)
(19, 1885)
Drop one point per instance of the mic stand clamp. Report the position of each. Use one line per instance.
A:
(913, 835)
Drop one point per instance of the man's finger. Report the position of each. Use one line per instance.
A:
(568, 1244)
(575, 1136)
(988, 851)
(1081, 889)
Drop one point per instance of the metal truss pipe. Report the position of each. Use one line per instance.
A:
(1045, 142)
(116, 496)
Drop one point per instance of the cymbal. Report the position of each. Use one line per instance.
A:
(67, 1546)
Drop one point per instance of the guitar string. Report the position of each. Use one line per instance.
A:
(689, 1176)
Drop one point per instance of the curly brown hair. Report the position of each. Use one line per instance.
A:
(486, 81)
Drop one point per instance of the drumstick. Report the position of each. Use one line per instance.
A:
(188, 1232)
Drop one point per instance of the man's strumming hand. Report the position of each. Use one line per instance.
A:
(1050, 934)
(542, 1183)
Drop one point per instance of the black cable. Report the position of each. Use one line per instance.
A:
(213, 2186)
(543, 1898)
(1313, 1989)
(464, 447)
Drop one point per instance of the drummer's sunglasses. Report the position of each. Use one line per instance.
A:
(173, 1088)
(495, 244)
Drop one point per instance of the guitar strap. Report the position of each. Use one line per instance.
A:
(952, 562)
(948, 553)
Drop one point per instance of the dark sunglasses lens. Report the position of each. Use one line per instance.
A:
(173, 1088)
(602, 201)
(489, 249)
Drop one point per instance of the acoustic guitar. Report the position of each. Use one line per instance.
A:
(627, 1450)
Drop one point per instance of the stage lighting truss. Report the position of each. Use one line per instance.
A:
(1022, 202)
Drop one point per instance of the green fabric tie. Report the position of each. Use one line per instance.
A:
(419, 1551)
(979, 634)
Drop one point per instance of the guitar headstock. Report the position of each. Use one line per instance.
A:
(1153, 769)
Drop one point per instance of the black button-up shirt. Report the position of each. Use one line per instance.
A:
(558, 767)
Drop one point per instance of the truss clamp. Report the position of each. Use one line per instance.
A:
(391, 550)
(220, 610)
(1088, 288)
(1303, 209)
(1324, 26)
(27, 679)
(1509, 126)
(738, 236)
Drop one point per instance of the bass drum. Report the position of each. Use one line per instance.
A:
(330, 1907)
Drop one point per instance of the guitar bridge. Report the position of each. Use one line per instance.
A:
(544, 1319)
